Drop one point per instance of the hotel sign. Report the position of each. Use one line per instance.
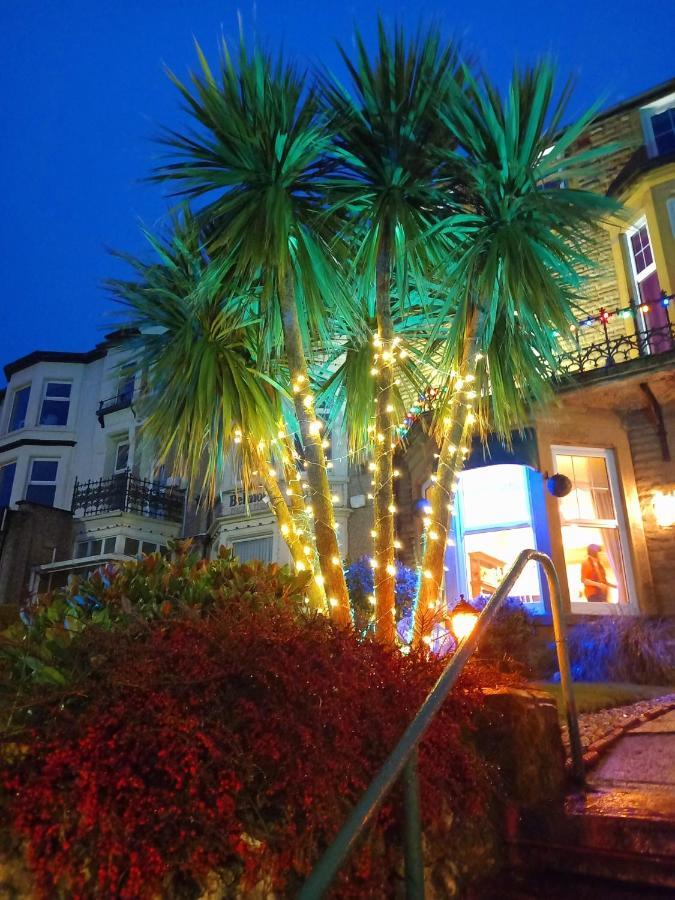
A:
(237, 503)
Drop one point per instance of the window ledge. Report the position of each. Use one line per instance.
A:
(601, 609)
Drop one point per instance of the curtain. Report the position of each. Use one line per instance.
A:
(253, 549)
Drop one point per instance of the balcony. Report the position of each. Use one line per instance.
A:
(595, 348)
(122, 400)
(127, 493)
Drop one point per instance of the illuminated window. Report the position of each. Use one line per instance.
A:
(494, 524)
(591, 531)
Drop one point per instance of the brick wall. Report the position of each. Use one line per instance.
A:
(30, 535)
(600, 288)
(653, 474)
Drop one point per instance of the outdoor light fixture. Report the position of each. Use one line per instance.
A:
(664, 508)
(462, 619)
(559, 485)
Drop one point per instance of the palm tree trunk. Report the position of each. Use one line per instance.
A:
(385, 442)
(296, 545)
(330, 561)
(441, 496)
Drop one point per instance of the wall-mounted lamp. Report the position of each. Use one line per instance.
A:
(664, 508)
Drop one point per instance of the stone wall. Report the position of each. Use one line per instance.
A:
(652, 474)
(32, 535)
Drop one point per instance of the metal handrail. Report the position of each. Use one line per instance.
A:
(403, 759)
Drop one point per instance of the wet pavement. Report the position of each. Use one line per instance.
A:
(617, 838)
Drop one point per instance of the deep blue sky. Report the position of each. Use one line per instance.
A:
(83, 92)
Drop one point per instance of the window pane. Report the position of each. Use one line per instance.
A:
(130, 547)
(19, 409)
(125, 387)
(44, 470)
(488, 556)
(594, 578)
(81, 549)
(54, 412)
(663, 125)
(58, 389)
(95, 549)
(254, 549)
(122, 457)
(109, 545)
(493, 496)
(591, 497)
(6, 483)
(41, 493)
(147, 547)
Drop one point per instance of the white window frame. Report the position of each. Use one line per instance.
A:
(119, 442)
(620, 522)
(17, 390)
(646, 113)
(535, 607)
(639, 277)
(67, 400)
(29, 476)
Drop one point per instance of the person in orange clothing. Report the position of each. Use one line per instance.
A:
(593, 577)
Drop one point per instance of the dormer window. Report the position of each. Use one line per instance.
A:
(658, 122)
(55, 404)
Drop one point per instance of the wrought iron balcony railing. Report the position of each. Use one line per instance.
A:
(594, 346)
(122, 400)
(127, 493)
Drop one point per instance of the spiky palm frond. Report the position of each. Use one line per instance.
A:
(208, 401)
(259, 157)
(390, 144)
(517, 248)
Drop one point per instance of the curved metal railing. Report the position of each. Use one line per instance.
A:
(403, 759)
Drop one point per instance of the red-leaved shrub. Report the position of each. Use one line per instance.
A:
(233, 744)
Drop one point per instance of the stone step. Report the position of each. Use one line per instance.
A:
(619, 831)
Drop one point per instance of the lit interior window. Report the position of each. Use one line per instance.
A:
(494, 526)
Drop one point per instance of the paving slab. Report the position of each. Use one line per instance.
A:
(647, 757)
(661, 725)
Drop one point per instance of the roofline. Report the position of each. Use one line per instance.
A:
(653, 93)
(88, 356)
(38, 356)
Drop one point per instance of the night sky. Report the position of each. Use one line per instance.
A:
(83, 93)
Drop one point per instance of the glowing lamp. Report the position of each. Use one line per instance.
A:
(463, 619)
(664, 508)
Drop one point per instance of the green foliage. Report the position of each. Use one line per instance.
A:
(42, 647)
(516, 248)
(197, 343)
(260, 156)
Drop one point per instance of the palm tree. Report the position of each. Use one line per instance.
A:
(389, 141)
(209, 402)
(515, 250)
(258, 161)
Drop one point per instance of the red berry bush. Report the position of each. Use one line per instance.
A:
(228, 744)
